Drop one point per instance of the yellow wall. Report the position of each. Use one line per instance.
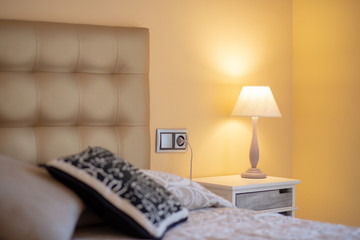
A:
(202, 53)
(326, 109)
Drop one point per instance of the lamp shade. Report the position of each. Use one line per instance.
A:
(256, 101)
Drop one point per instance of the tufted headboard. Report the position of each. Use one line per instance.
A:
(64, 87)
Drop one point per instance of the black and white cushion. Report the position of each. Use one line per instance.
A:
(119, 192)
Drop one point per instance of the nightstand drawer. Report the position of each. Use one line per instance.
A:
(270, 194)
(264, 200)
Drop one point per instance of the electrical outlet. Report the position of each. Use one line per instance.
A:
(171, 140)
(180, 140)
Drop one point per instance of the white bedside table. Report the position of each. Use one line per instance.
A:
(270, 194)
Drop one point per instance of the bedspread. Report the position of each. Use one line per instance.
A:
(233, 223)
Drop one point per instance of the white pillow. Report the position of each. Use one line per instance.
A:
(190, 194)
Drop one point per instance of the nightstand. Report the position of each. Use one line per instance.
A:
(270, 194)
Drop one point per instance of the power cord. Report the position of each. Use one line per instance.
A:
(181, 141)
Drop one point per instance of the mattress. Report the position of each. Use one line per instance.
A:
(235, 223)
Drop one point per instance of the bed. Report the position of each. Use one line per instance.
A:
(74, 99)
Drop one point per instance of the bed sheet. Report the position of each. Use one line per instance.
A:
(234, 223)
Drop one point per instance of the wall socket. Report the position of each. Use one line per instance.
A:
(171, 140)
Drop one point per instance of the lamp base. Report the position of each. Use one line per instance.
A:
(253, 173)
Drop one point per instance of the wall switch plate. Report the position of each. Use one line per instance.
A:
(171, 140)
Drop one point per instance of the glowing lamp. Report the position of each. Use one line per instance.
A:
(255, 102)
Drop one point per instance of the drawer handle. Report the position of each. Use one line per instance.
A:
(285, 190)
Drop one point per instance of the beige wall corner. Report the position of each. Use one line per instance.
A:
(326, 111)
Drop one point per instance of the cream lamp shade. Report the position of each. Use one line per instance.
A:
(255, 102)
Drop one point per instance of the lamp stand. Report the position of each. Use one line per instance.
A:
(254, 172)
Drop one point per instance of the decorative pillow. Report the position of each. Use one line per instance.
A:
(33, 205)
(119, 192)
(190, 194)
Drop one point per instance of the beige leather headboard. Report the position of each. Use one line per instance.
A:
(64, 87)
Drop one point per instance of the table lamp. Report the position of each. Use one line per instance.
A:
(255, 102)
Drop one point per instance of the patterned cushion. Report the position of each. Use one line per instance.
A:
(190, 194)
(119, 192)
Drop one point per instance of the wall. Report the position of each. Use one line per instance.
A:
(326, 111)
(202, 53)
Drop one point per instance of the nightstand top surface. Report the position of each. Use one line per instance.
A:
(235, 182)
